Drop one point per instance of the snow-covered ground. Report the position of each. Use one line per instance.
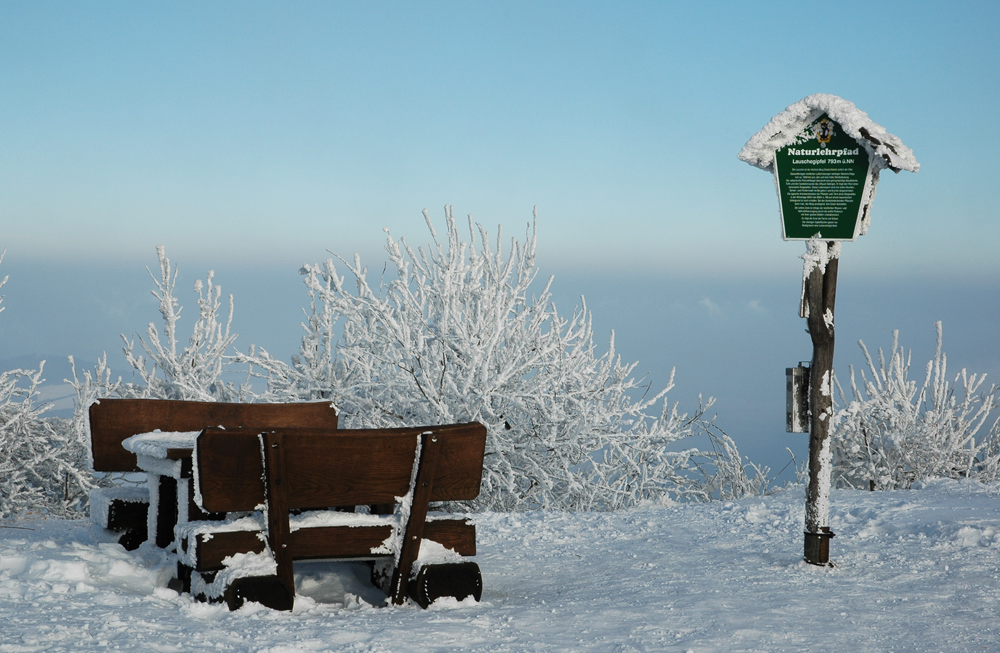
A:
(915, 570)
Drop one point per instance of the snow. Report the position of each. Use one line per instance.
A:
(157, 443)
(885, 150)
(916, 570)
(817, 256)
(151, 450)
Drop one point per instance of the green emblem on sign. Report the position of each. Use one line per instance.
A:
(822, 176)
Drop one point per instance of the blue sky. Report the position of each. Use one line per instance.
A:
(251, 137)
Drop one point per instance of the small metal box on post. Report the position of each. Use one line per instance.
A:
(797, 399)
(826, 156)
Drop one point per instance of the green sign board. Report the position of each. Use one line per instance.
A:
(822, 178)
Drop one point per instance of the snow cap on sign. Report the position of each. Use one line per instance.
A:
(886, 150)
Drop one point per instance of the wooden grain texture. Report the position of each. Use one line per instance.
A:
(114, 420)
(821, 296)
(456, 534)
(331, 542)
(230, 470)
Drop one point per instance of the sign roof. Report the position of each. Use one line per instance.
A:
(886, 150)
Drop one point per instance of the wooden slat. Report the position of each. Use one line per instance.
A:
(455, 534)
(352, 468)
(338, 541)
(213, 550)
(369, 466)
(329, 542)
(460, 466)
(230, 470)
(114, 420)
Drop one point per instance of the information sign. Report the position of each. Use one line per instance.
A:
(823, 175)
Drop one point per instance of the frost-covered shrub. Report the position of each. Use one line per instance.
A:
(43, 464)
(895, 432)
(452, 334)
(42, 461)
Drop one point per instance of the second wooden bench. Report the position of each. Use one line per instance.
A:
(125, 510)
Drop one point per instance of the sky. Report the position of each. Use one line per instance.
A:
(253, 137)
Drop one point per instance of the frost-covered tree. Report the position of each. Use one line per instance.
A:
(453, 333)
(160, 368)
(194, 373)
(895, 432)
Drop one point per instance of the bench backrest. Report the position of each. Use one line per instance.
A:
(114, 420)
(337, 467)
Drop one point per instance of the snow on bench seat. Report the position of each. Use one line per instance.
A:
(152, 450)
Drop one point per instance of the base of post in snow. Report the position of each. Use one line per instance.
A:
(817, 548)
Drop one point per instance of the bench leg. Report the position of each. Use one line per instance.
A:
(270, 591)
(181, 583)
(132, 538)
(128, 519)
(459, 580)
(166, 511)
(413, 529)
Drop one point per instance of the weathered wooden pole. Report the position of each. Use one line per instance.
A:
(819, 296)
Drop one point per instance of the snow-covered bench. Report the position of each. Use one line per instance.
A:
(125, 510)
(278, 486)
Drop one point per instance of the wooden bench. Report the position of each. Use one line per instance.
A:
(125, 510)
(295, 473)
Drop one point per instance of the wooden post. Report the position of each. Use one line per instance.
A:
(819, 295)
